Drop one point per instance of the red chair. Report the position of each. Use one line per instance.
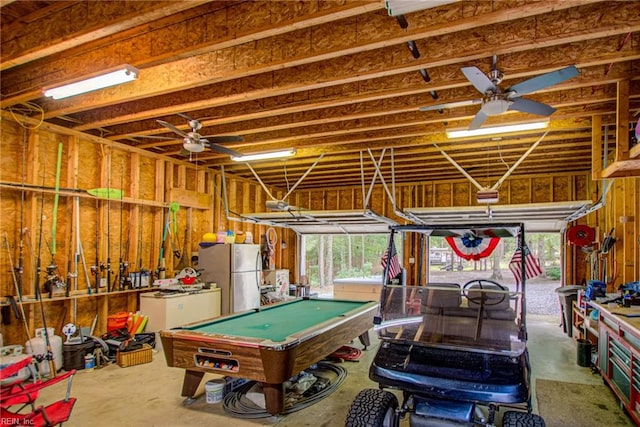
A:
(26, 393)
(10, 393)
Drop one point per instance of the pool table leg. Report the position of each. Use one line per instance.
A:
(273, 398)
(191, 382)
(364, 339)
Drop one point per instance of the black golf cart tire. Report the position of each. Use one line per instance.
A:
(371, 407)
(522, 419)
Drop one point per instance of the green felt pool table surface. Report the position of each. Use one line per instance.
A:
(280, 321)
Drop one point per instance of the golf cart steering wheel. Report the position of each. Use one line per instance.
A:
(481, 297)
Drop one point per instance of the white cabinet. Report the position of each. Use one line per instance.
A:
(173, 310)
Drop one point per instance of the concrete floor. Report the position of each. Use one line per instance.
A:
(149, 394)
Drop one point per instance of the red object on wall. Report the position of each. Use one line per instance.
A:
(581, 235)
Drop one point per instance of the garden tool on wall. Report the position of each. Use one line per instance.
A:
(173, 209)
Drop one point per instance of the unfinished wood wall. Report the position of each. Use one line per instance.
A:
(621, 214)
(151, 183)
(130, 228)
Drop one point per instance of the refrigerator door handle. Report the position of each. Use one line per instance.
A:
(258, 270)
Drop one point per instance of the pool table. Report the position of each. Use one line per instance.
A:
(270, 344)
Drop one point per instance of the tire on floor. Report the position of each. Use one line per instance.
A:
(522, 419)
(373, 408)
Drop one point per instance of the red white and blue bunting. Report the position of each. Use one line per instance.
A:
(472, 247)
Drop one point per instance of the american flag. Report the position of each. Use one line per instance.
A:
(394, 264)
(532, 268)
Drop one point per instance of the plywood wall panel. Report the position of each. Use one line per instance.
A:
(442, 195)
(345, 198)
(379, 201)
(582, 187)
(520, 191)
(89, 158)
(461, 194)
(316, 200)
(332, 200)
(561, 188)
(542, 190)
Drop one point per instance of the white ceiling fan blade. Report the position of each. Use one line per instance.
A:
(172, 128)
(478, 79)
(540, 82)
(478, 120)
(451, 105)
(533, 107)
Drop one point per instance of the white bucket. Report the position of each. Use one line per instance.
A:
(214, 390)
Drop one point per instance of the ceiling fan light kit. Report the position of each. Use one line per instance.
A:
(193, 146)
(118, 76)
(264, 156)
(517, 127)
(496, 107)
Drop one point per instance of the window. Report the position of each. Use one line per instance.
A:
(336, 256)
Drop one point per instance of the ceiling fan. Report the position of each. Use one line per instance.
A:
(193, 142)
(496, 100)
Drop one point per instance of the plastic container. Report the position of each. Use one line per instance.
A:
(584, 353)
(38, 346)
(21, 375)
(73, 354)
(89, 362)
(214, 390)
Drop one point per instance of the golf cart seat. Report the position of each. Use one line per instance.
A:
(441, 298)
(496, 303)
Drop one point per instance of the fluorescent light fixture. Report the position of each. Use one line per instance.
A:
(400, 7)
(123, 74)
(263, 156)
(519, 127)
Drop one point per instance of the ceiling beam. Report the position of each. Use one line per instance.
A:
(28, 40)
(290, 76)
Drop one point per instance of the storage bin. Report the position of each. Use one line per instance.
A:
(73, 354)
(135, 357)
(117, 321)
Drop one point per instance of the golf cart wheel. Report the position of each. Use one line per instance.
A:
(373, 408)
(522, 419)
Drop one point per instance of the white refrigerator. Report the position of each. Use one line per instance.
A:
(237, 271)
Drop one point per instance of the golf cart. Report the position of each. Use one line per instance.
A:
(456, 351)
